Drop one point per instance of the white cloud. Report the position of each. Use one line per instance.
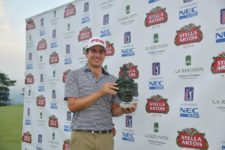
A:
(1, 9)
(11, 50)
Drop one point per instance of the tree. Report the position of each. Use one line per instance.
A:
(5, 82)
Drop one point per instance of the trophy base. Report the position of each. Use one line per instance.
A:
(128, 104)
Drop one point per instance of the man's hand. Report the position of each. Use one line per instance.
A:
(130, 109)
(110, 88)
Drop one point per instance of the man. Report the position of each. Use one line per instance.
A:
(91, 94)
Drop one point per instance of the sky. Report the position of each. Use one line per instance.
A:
(13, 14)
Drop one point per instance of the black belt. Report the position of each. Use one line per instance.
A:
(98, 131)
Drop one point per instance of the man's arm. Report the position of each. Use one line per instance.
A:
(77, 104)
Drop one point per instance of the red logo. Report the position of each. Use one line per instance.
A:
(109, 49)
(66, 145)
(157, 104)
(191, 138)
(97, 41)
(27, 137)
(69, 11)
(157, 15)
(85, 34)
(30, 24)
(65, 74)
(218, 65)
(40, 101)
(54, 58)
(53, 121)
(188, 34)
(131, 69)
(42, 45)
(29, 79)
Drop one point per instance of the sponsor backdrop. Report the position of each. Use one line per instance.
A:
(175, 52)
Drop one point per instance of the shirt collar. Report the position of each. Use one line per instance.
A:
(86, 69)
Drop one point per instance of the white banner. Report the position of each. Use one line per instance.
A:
(175, 52)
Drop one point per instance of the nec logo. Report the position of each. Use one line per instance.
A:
(156, 85)
(67, 128)
(128, 121)
(156, 68)
(29, 66)
(152, 1)
(127, 52)
(105, 32)
(28, 122)
(188, 13)
(220, 37)
(41, 88)
(85, 19)
(127, 136)
(67, 61)
(187, 1)
(189, 112)
(54, 105)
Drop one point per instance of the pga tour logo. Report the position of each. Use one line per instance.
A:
(128, 121)
(127, 37)
(156, 68)
(106, 19)
(223, 147)
(189, 93)
(222, 16)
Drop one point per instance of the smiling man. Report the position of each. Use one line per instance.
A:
(91, 94)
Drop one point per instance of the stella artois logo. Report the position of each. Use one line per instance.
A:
(70, 11)
(66, 145)
(54, 58)
(65, 74)
(42, 45)
(157, 15)
(40, 101)
(188, 34)
(27, 137)
(218, 65)
(85, 34)
(53, 121)
(30, 24)
(191, 138)
(29, 79)
(157, 104)
(131, 69)
(109, 49)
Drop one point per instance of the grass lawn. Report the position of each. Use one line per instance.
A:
(11, 127)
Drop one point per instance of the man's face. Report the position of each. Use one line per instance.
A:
(95, 56)
(126, 91)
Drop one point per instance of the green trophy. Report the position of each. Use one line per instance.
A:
(127, 89)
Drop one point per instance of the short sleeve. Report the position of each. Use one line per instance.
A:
(115, 99)
(71, 85)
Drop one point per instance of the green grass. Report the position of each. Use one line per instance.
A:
(11, 127)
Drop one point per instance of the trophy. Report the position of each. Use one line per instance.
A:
(127, 89)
